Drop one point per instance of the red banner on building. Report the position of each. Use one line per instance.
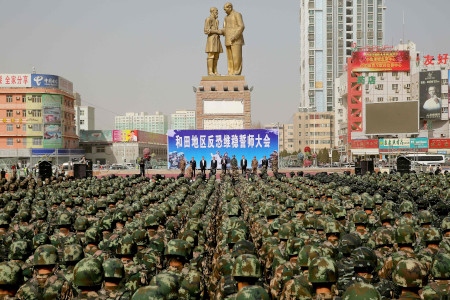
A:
(439, 144)
(383, 61)
(364, 144)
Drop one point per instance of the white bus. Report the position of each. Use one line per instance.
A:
(426, 159)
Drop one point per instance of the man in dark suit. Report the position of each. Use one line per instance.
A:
(265, 163)
(223, 162)
(203, 166)
(193, 165)
(243, 164)
(213, 165)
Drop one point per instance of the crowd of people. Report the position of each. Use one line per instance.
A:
(286, 236)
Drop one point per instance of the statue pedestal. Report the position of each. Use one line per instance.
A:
(223, 102)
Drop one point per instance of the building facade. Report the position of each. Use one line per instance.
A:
(38, 118)
(329, 31)
(157, 123)
(183, 119)
(84, 118)
(313, 129)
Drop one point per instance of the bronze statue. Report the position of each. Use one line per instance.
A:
(233, 27)
(213, 45)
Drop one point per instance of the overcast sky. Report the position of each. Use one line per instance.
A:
(145, 55)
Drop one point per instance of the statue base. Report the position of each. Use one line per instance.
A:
(223, 102)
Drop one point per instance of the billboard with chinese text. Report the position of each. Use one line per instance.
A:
(380, 61)
(35, 80)
(430, 101)
(220, 143)
(44, 80)
(405, 144)
(15, 80)
(125, 135)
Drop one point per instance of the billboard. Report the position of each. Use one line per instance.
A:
(405, 144)
(15, 80)
(95, 135)
(392, 117)
(52, 136)
(220, 143)
(125, 135)
(430, 95)
(44, 80)
(380, 61)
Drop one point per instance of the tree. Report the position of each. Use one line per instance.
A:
(283, 153)
(322, 156)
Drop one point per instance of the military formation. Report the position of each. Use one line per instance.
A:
(286, 236)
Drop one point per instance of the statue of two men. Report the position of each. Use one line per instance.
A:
(233, 28)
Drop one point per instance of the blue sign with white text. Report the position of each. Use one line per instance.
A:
(44, 81)
(249, 143)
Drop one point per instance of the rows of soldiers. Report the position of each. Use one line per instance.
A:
(322, 236)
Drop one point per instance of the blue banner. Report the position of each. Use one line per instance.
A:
(403, 143)
(44, 81)
(218, 143)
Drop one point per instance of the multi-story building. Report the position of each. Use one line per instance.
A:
(183, 119)
(84, 118)
(38, 118)
(157, 123)
(381, 102)
(285, 136)
(329, 31)
(313, 129)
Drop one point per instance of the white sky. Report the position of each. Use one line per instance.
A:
(145, 55)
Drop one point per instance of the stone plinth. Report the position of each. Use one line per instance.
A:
(223, 102)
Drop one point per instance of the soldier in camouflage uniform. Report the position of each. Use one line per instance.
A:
(439, 286)
(50, 283)
(274, 159)
(10, 280)
(361, 290)
(72, 254)
(409, 274)
(246, 272)
(323, 276)
(113, 285)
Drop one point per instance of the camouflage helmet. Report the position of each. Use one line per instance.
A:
(386, 215)
(167, 284)
(113, 268)
(408, 273)
(235, 235)
(40, 213)
(73, 253)
(360, 217)
(306, 254)
(252, 292)
(445, 224)
(64, 219)
(440, 267)
(149, 292)
(378, 198)
(19, 250)
(425, 217)
(406, 207)
(10, 274)
(5, 220)
(432, 235)
(88, 272)
(322, 270)
(24, 215)
(405, 234)
(293, 246)
(40, 239)
(361, 290)
(140, 237)
(126, 246)
(384, 237)
(300, 207)
(190, 286)
(151, 221)
(247, 265)
(45, 255)
(285, 231)
(81, 223)
(243, 247)
(364, 258)
(333, 226)
(92, 235)
(349, 242)
(177, 247)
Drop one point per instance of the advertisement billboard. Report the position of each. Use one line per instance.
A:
(125, 135)
(44, 80)
(52, 136)
(405, 144)
(15, 80)
(430, 101)
(220, 143)
(95, 135)
(380, 61)
(392, 117)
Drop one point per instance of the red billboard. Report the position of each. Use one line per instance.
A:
(364, 144)
(383, 61)
(439, 144)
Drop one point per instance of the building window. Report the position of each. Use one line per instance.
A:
(37, 141)
(394, 74)
(379, 87)
(100, 149)
(36, 99)
(9, 127)
(36, 113)
(8, 98)
(37, 127)
(9, 141)
(9, 113)
(380, 99)
(395, 87)
(24, 127)
(81, 122)
(81, 112)
(24, 113)
(24, 99)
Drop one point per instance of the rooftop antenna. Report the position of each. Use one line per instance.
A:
(403, 27)
(34, 70)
